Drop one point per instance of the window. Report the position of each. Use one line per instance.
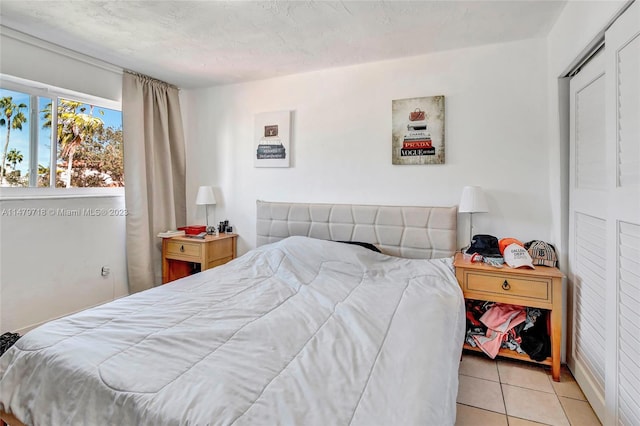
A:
(86, 149)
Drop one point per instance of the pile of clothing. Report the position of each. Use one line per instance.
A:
(491, 326)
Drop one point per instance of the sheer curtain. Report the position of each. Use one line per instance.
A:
(154, 169)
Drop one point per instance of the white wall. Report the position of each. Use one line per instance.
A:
(50, 266)
(496, 100)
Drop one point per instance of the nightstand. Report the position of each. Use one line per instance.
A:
(182, 256)
(536, 288)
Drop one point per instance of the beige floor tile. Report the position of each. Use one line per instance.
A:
(567, 386)
(479, 366)
(480, 393)
(568, 389)
(471, 416)
(579, 412)
(515, 421)
(524, 375)
(534, 405)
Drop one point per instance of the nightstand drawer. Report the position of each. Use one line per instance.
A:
(534, 289)
(221, 249)
(183, 249)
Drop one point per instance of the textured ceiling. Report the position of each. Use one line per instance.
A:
(204, 43)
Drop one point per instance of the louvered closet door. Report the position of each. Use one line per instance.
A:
(622, 58)
(588, 231)
(604, 228)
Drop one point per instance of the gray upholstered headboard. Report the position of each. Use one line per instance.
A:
(411, 232)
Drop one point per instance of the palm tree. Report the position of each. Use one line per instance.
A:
(74, 127)
(12, 116)
(14, 157)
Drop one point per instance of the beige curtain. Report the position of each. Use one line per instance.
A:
(154, 169)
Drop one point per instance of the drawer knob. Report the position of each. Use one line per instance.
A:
(506, 285)
(182, 251)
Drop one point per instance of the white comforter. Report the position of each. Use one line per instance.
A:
(300, 332)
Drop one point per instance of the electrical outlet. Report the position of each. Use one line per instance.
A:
(105, 271)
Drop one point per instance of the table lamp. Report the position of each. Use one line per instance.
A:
(205, 196)
(472, 201)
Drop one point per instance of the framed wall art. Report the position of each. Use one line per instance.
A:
(418, 130)
(272, 139)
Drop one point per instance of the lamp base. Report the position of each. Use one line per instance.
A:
(470, 228)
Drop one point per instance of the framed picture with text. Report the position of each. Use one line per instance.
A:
(272, 139)
(417, 130)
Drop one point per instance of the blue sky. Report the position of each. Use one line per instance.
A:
(20, 139)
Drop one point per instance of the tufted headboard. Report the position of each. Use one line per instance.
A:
(411, 232)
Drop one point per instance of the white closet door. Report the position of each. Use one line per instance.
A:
(604, 225)
(588, 230)
(623, 219)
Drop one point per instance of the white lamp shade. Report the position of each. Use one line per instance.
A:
(205, 196)
(472, 200)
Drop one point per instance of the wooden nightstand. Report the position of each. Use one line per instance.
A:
(536, 288)
(182, 256)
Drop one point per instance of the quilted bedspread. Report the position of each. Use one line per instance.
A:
(299, 332)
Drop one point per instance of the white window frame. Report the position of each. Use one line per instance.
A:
(35, 89)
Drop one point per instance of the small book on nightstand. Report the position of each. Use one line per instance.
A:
(169, 234)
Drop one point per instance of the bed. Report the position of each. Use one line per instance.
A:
(299, 331)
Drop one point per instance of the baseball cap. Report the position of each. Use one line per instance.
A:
(517, 256)
(504, 242)
(542, 253)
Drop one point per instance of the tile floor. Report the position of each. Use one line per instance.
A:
(503, 392)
